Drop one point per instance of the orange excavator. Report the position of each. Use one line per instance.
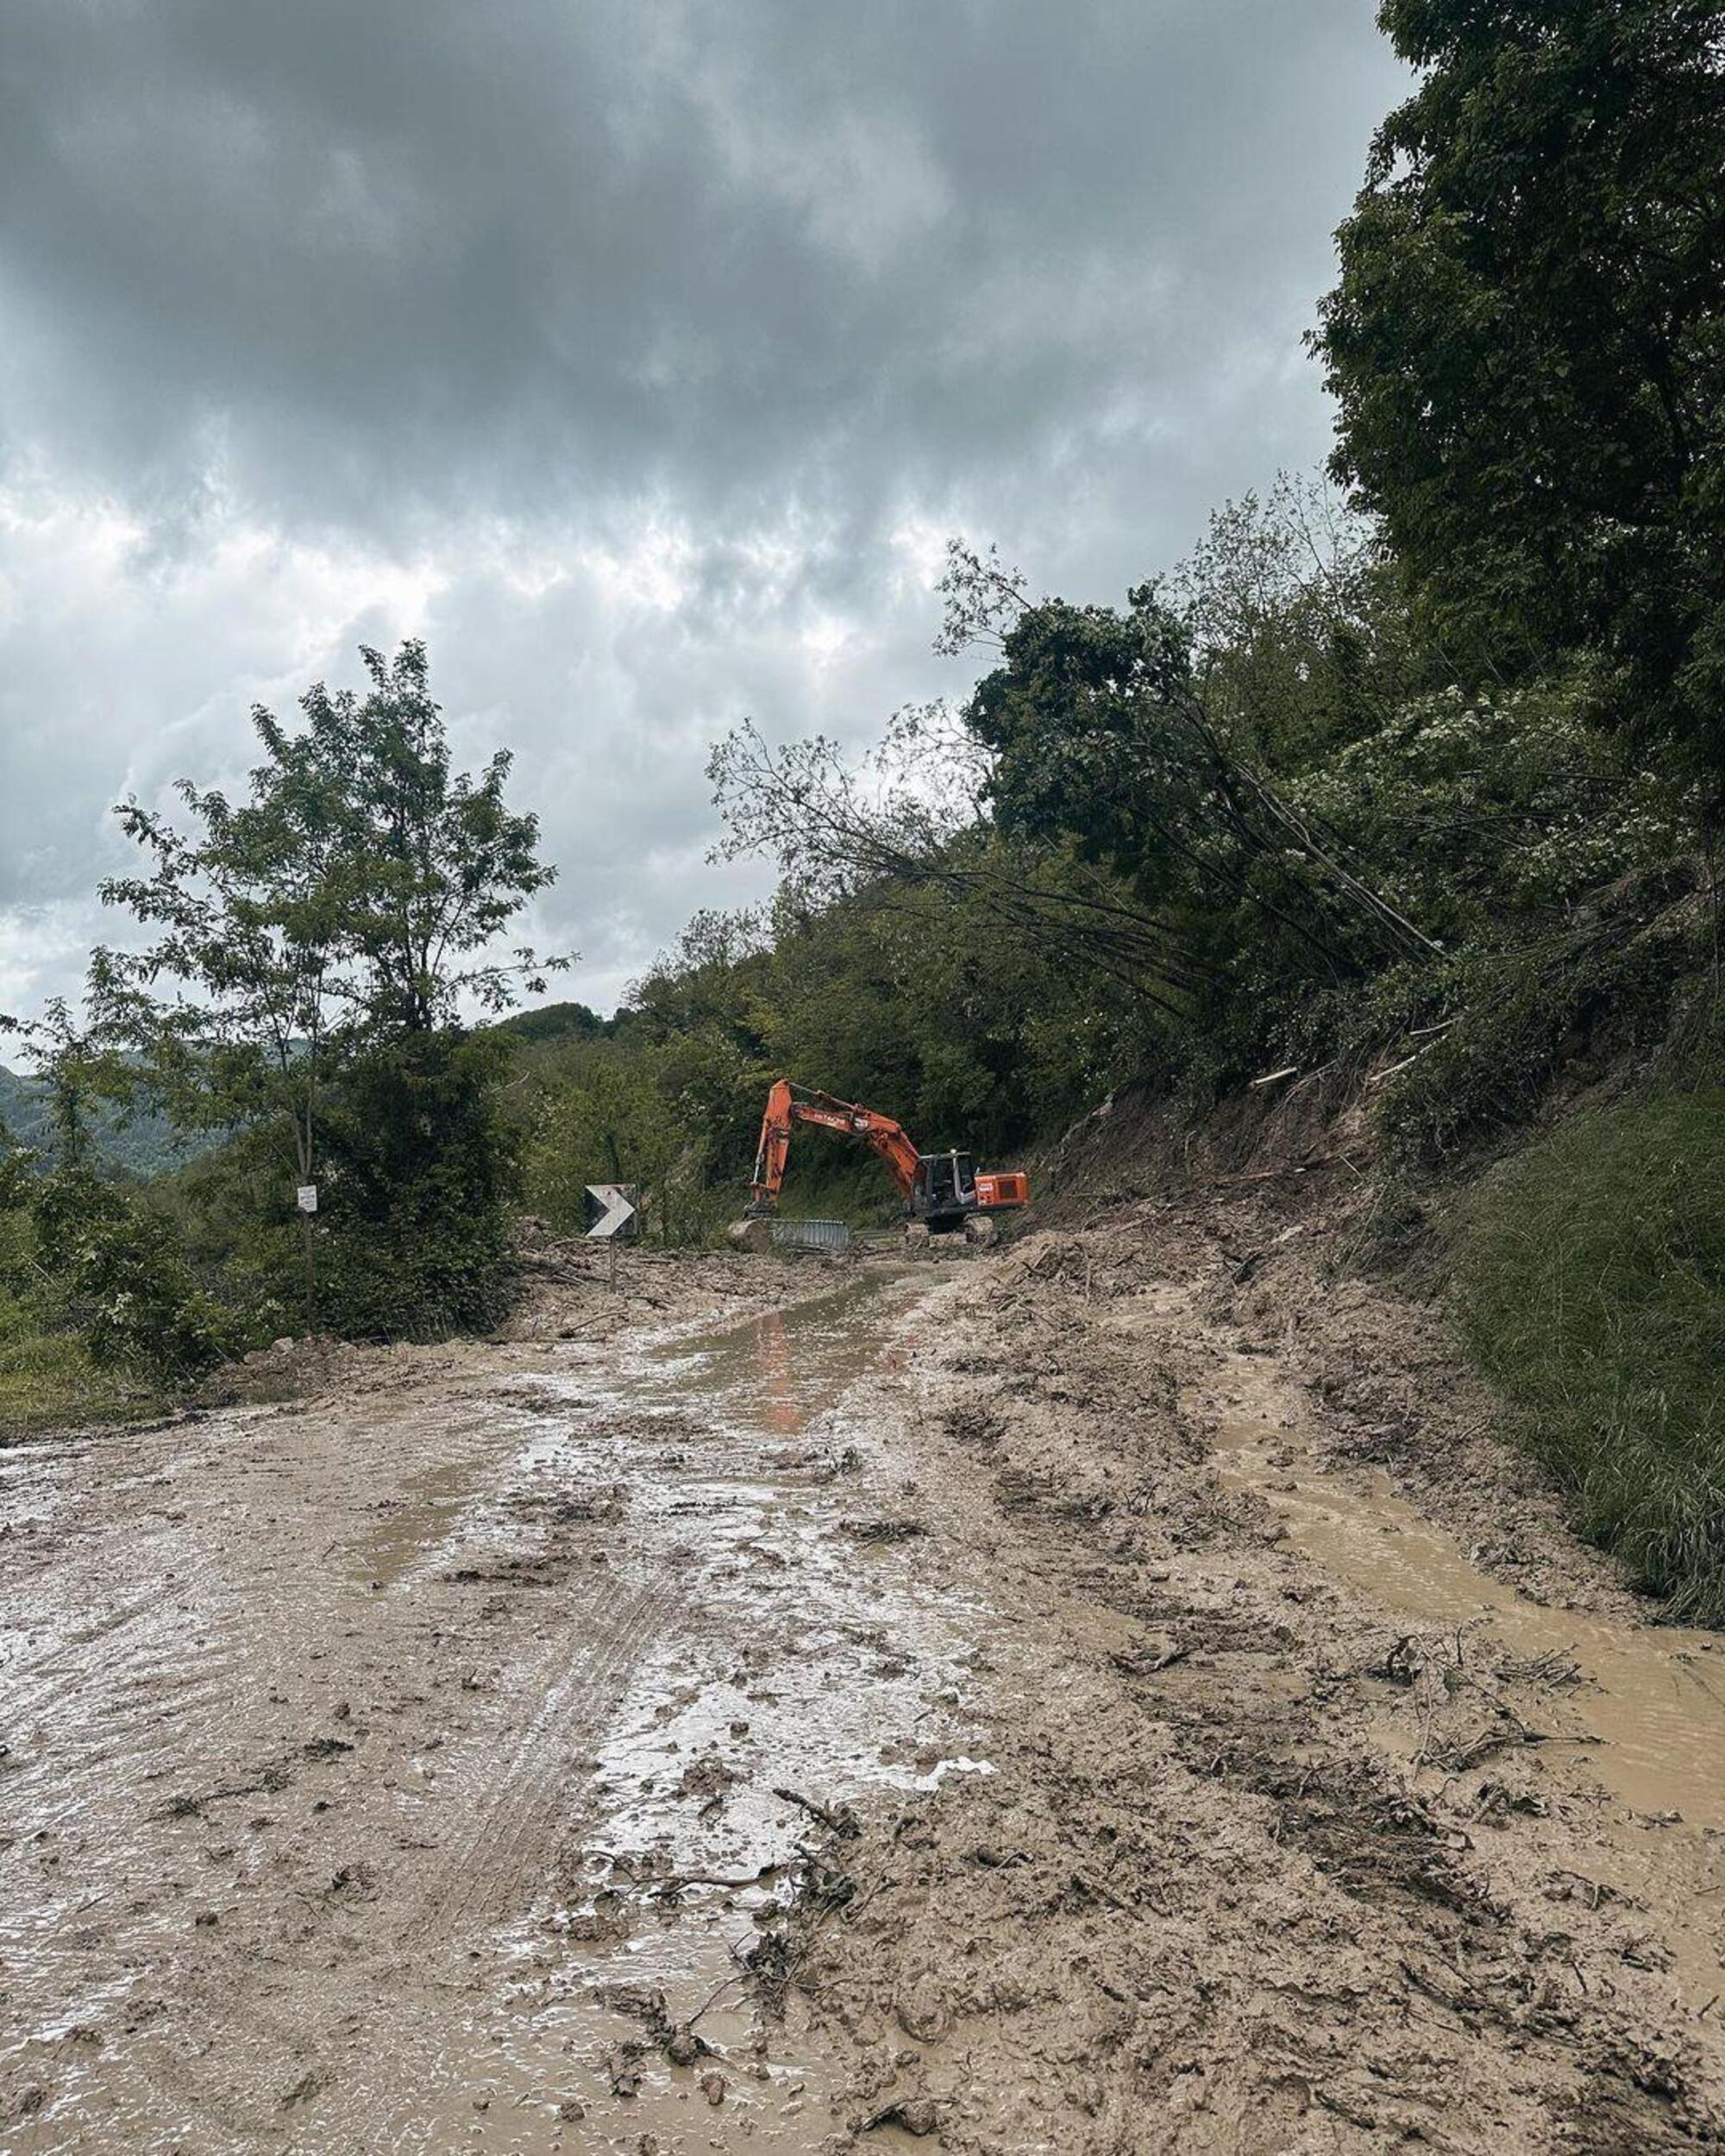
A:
(944, 1193)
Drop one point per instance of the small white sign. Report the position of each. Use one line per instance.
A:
(616, 1207)
(308, 1197)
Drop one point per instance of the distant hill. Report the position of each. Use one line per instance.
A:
(24, 1109)
(145, 1146)
(561, 1022)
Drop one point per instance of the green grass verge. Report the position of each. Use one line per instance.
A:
(1592, 1281)
(49, 1383)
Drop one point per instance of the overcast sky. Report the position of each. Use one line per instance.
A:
(638, 354)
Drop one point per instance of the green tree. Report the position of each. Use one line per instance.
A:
(619, 1122)
(318, 942)
(232, 1011)
(429, 866)
(73, 1073)
(423, 1179)
(1299, 622)
(1104, 728)
(1528, 342)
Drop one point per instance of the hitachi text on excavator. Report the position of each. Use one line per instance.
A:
(943, 1193)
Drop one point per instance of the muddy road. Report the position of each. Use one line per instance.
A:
(1100, 1697)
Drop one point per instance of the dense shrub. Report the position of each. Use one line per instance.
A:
(142, 1311)
(86, 1255)
(418, 1192)
(1612, 984)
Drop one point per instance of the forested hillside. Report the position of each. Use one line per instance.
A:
(141, 1144)
(1241, 825)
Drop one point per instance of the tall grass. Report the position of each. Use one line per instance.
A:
(49, 1383)
(1593, 1279)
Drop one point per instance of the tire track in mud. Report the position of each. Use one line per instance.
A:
(327, 2039)
(26, 1686)
(487, 1874)
(75, 1716)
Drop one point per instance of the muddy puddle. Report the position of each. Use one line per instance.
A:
(412, 1521)
(1643, 1706)
(433, 1771)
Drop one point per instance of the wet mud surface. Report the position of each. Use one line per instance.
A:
(1311, 1829)
(1082, 1699)
(400, 1773)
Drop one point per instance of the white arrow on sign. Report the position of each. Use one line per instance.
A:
(618, 1210)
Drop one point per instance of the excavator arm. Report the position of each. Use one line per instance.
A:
(788, 1104)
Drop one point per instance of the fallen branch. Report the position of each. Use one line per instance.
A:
(841, 1822)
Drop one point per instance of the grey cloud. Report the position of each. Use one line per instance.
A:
(387, 257)
(333, 320)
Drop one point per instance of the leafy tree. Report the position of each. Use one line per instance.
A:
(558, 1022)
(251, 948)
(423, 1178)
(1101, 728)
(319, 942)
(923, 1003)
(1298, 624)
(70, 1199)
(914, 818)
(72, 1071)
(1528, 342)
(1491, 815)
(137, 1304)
(1106, 800)
(618, 1121)
(429, 866)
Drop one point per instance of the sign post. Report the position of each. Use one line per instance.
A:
(306, 1199)
(615, 1207)
(617, 1218)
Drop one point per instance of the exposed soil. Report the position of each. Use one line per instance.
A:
(1112, 1696)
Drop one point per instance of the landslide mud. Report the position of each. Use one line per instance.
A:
(1108, 1697)
(1308, 1832)
(1652, 1702)
(398, 1771)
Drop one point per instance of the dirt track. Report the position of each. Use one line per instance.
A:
(798, 1710)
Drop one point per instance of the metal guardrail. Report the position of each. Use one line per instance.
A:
(810, 1235)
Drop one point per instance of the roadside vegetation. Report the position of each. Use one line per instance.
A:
(1404, 782)
(297, 1009)
(1592, 1277)
(48, 1381)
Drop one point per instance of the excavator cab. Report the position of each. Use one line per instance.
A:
(943, 1190)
